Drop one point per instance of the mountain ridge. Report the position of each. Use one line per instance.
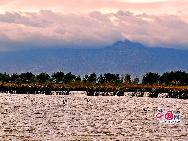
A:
(121, 57)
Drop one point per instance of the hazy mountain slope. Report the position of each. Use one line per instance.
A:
(121, 57)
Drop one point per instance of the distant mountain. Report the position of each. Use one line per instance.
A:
(122, 57)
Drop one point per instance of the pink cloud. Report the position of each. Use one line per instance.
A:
(2, 2)
(95, 29)
(93, 5)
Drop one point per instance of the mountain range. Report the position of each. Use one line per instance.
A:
(121, 57)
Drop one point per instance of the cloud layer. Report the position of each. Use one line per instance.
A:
(52, 29)
(92, 23)
(75, 6)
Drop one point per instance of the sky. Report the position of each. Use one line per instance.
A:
(92, 23)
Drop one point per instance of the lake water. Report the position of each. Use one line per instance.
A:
(79, 117)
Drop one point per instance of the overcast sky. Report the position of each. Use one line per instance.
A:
(91, 23)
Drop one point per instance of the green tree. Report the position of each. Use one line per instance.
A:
(43, 77)
(27, 77)
(109, 78)
(14, 78)
(85, 79)
(78, 79)
(58, 77)
(127, 79)
(101, 79)
(136, 80)
(69, 78)
(174, 78)
(151, 78)
(4, 77)
(92, 78)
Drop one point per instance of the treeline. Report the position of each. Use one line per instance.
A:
(62, 78)
(167, 78)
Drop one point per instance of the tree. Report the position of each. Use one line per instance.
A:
(92, 78)
(174, 78)
(101, 79)
(109, 78)
(78, 79)
(14, 78)
(69, 78)
(151, 78)
(136, 80)
(4, 77)
(58, 77)
(43, 77)
(85, 78)
(181, 77)
(27, 77)
(127, 79)
(167, 78)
